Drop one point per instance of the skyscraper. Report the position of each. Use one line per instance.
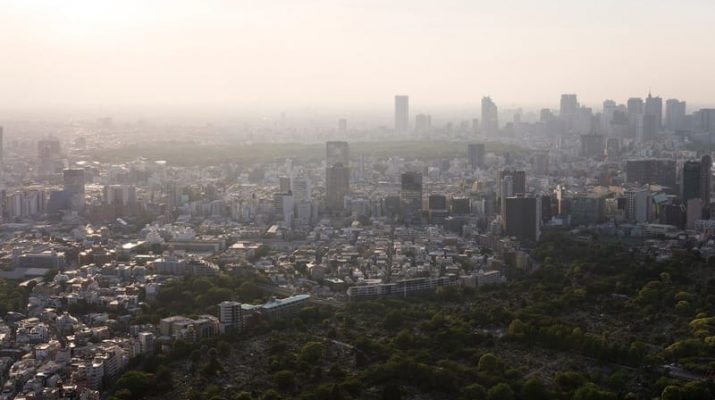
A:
(522, 218)
(475, 153)
(342, 125)
(593, 145)
(490, 120)
(654, 108)
(690, 183)
(402, 113)
(74, 187)
(569, 105)
(635, 117)
(651, 172)
(706, 165)
(337, 186)
(411, 193)
(674, 114)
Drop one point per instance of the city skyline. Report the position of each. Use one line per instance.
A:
(238, 56)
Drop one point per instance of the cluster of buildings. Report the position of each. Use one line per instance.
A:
(92, 241)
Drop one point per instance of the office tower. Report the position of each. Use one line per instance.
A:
(301, 189)
(2, 149)
(475, 154)
(609, 109)
(342, 125)
(337, 186)
(654, 109)
(490, 119)
(674, 114)
(423, 123)
(122, 195)
(545, 115)
(704, 120)
(411, 192)
(518, 179)
(284, 184)
(541, 163)
(506, 190)
(593, 145)
(706, 164)
(691, 182)
(569, 105)
(437, 202)
(402, 113)
(475, 125)
(636, 205)
(284, 206)
(461, 205)
(48, 155)
(634, 110)
(74, 187)
(651, 172)
(337, 153)
(587, 209)
(522, 218)
(613, 148)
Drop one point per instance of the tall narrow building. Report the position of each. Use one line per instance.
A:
(475, 154)
(411, 193)
(674, 114)
(402, 113)
(653, 114)
(337, 175)
(337, 186)
(490, 119)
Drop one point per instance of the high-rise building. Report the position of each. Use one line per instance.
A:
(651, 172)
(522, 218)
(301, 189)
(634, 109)
(654, 109)
(518, 181)
(569, 105)
(437, 202)
(48, 155)
(675, 114)
(337, 153)
(402, 113)
(704, 120)
(609, 109)
(411, 192)
(2, 149)
(541, 163)
(475, 154)
(284, 184)
(593, 145)
(337, 186)
(284, 207)
(706, 165)
(123, 195)
(342, 125)
(230, 315)
(490, 117)
(690, 181)
(637, 205)
(74, 187)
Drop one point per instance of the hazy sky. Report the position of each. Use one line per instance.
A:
(345, 54)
